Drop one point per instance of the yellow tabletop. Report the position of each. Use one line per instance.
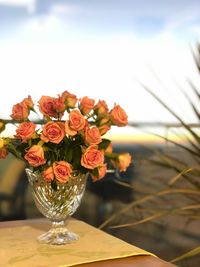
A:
(19, 247)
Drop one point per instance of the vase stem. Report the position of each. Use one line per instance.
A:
(58, 234)
(57, 224)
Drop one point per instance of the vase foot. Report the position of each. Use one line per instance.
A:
(60, 236)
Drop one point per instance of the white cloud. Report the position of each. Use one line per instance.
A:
(64, 9)
(42, 23)
(29, 4)
(51, 20)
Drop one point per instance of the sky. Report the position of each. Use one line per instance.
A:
(103, 49)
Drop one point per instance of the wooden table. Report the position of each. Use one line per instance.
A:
(133, 261)
(136, 261)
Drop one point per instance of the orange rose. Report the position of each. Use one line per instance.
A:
(101, 108)
(68, 130)
(48, 174)
(28, 102)
(19, 112)
(35, 156)
(76, 120)
(124, 160)
(102, 172)
(25, 131)
(59, 105)
(53, 132)
(62, 171)
(46, 106)
(69, 99)
(3, 153)
(75, 123)
(86, 105)
(92, 136)
(118, 116)
(92, 157)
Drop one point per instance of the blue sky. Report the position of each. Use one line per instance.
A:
(100, 49)
(143, 18)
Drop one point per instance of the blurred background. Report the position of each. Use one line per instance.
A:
(126, 52)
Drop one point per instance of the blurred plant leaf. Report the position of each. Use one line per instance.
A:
(176, 178)
(147, 219)
(191, 253)
(194, 88)
(196, 137)
(147, 198)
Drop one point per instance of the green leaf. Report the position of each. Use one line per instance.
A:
(30, 142)
(83, 169)
(95, 172)
(66, 141)
(104, 144)
(11, 148)
(54, 185)
(69, 154)
(76, 155)
(112, 156)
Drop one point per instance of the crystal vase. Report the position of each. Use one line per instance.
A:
(57, 204)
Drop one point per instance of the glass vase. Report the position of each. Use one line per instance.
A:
(57, 204)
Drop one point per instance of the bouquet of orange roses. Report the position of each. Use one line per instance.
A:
(68, 138)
